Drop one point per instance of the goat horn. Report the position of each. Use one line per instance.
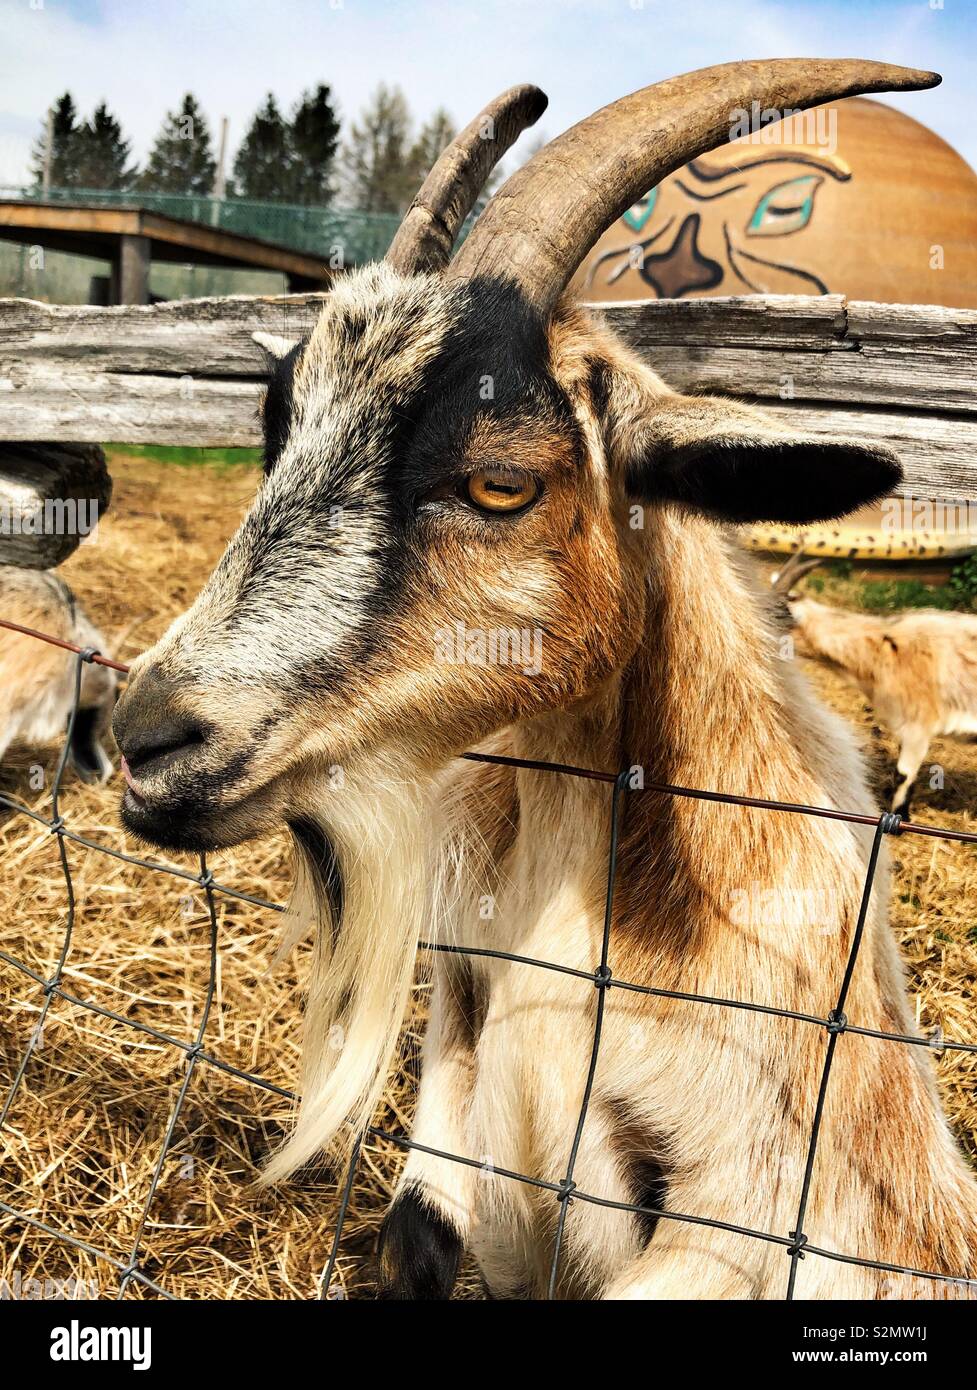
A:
(546, 217)
(427, 234)
(795, 568)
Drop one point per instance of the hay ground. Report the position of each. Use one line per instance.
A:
(84, 1132)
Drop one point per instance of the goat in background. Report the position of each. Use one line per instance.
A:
(918, 670)
(486, 446)
(37, 680)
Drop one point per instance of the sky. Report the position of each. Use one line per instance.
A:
(140, 56)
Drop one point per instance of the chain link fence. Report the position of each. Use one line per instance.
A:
(363, 236)
(794, 1243)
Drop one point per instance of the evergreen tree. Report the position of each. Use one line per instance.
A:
(262, 166)
(181, 160)
(102, 153)
(64, 134)
(375, 158)
(314, 135)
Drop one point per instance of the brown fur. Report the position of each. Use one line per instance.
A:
(919, 670)
(37, 679)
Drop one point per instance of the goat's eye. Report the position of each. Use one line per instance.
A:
(501, 490)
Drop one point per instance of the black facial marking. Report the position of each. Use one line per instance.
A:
(494, 362)
(599, 386)
(321, 862)
(277, 410)
(419, 1251)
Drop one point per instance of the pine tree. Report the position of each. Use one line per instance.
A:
(375, 158)
(181, 160)
(313, 137)
(64, 132)
(262, 166)
(102, 153)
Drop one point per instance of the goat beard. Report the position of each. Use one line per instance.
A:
(366, 884)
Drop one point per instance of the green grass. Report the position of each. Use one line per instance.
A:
(894, 595)
(835, 582)
(185, 457)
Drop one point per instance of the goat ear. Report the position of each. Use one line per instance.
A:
(733, 463)
(274, 345)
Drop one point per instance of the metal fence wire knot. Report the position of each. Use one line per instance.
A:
(795, 1243)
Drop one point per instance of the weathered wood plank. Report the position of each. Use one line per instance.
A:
(99, 407)
(912, 379)
(911, 355)
(189, 373)
(195, 337)
(819, 322)
(939, 453)
(822, 349)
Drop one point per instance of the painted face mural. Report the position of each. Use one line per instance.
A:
(853, 199)
(714, 229)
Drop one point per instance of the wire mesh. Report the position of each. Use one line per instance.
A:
(795, 1242)
(362, 236)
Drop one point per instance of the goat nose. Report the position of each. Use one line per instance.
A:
(144, 746)
(150, 732)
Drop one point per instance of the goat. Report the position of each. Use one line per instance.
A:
(37, 680)
(917, 670)
(456, 451)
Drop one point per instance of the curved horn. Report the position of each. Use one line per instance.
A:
(425, 237)
(546, 217)
(783, 580)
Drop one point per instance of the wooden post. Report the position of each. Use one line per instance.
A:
(220, 177)
(48, 155)
(133, 275)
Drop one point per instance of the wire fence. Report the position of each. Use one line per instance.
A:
(795, 1242)
(362, 236)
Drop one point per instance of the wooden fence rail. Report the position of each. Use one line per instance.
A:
(189, 373)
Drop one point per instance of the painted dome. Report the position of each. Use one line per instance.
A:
(852, 198)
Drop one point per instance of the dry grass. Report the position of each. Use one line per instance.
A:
(84, 1132)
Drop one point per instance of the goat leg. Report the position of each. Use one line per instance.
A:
(426, 1228)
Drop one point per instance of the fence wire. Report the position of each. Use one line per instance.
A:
(795, 1243)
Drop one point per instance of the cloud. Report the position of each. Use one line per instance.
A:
(141, 56)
